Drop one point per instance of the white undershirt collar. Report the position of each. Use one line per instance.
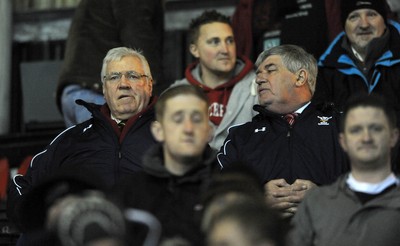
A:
(371, 188)
(115, 119)
(300, 110)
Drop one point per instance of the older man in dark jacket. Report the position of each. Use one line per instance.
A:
(292, 142)
(110, 145)
(363, 58)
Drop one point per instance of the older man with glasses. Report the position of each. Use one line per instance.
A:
(99, 147)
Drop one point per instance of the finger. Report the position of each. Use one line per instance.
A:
(296, 196)
(299, 187)
(308, 183)
(286, 215)
(281, 192)
(292, 197)
(291, 210)
(282, 206)
(288, 199)
(276, 182)
(295, 199)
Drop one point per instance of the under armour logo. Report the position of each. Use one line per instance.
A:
(359, 3)
(323, 120)
(262, 129)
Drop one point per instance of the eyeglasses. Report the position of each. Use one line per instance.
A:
(132, 76)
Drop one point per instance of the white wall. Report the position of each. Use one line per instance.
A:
(5, 63)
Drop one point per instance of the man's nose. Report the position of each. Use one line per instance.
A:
(224, 47)
(366, 135)
(260, 78)
(188, 125)
(259, 82)
(124, 81)
(364, 22)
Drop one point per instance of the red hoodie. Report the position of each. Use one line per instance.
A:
(219, 96)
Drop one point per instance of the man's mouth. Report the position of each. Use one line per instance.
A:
(188, 140)
(364, 33)
(123, 96)
(367, 147)
(261, 90)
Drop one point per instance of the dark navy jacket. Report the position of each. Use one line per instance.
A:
(95, 146)
(174, 200)
(307, 150)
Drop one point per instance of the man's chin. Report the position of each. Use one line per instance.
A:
(361, 46)
(128, 110)
(224, 70)
(369, 160)
(190, 159)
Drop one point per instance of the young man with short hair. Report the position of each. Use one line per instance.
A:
(363, 206)
(175, 171)
(227, 80)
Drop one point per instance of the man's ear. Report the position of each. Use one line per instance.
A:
(394, 137)
(194, 50)
(302, 77)
(342, 142)
(150, 85)
(157, 131)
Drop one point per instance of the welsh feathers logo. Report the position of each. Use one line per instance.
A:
(323, 120)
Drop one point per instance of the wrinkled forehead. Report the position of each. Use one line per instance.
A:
(270, 61)
(127, 63)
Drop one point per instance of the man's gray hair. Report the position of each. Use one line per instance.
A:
(294, 58)
(116, 54)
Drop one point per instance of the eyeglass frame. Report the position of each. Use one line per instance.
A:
(119, 75)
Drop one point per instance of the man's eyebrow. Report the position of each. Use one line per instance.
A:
(266, 67)
(213, 38)
(177, 113)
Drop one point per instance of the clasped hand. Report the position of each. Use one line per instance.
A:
(286, 197)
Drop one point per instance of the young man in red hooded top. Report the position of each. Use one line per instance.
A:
(225, 78)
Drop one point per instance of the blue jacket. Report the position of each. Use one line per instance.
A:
(339, 77)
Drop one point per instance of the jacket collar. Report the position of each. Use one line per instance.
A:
(265, 113)
(153, 164)
(337, 49)
(101, 114)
